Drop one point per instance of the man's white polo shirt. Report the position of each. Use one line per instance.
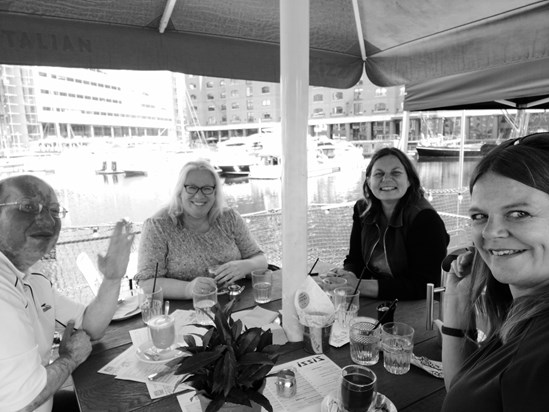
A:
(29, 309)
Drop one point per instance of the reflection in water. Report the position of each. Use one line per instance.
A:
(94, 199)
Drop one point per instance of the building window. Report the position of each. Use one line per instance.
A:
(318, 98)
(235, 105)
(358, 94)
(193, 97)
(223, 107)
(357, 108)
(222, 82)
(338, 96)
(211, 120)
(265, 90)
(223, 95)
(318, 112)
(266, 102)
(380, 107)
(250, 117)
(249, 104)
(234, 93)
(337, 110)
(249, 91)
(192, 86)
(235, 118)
(210, 85)
(267, 116)
(210, 96)
(211, 108)
(381, 91)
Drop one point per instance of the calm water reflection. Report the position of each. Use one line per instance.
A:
(95, 199)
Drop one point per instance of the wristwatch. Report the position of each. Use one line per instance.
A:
(459, 333)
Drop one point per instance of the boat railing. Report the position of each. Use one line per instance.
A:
(329, 228)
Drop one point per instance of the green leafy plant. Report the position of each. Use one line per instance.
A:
(230, 364)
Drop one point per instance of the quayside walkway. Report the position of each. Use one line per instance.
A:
(329, 228)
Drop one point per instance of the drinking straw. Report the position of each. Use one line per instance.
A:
(356, 287)
(386, 313)
(312, 267)
(155, 275)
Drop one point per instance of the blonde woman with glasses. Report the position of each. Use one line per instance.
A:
(195, 231)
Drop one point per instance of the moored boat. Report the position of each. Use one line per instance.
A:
(470, 150)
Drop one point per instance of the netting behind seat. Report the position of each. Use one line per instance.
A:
(329, 229)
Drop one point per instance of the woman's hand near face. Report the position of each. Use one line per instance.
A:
(459, 281)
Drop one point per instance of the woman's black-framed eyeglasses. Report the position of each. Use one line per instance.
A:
(193, 190)
(35, 208)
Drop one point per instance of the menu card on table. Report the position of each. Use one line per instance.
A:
(315, 376)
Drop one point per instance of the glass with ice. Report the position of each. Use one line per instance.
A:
(397, 341)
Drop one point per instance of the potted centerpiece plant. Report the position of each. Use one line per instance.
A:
(228, 365)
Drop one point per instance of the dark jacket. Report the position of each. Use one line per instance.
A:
(415, 245)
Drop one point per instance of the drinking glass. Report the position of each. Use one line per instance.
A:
(332, 282)
(204, 299)
(162, 331)
(346, 302)
(364, 341)
(358, 388)
(262, 282)
(150, 303)
(397, 341)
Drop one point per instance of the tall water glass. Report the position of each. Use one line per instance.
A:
(397, 341)
(364, 341)
(358, 388)
(262, 282)
(150, 303)
(204, 299)
(346, 302)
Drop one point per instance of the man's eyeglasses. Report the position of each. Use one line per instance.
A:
(193, 190)
(35, 208)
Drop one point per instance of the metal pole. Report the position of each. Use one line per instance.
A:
(294, 84)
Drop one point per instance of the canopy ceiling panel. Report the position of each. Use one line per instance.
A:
(405, 41)
(519, 86)
(234, 39)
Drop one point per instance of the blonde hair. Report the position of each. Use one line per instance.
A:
(175, 205)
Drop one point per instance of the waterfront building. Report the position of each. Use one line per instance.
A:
(49, 108)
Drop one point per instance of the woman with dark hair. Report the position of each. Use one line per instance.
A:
(398, 240)
(196, 231)
(506, 281)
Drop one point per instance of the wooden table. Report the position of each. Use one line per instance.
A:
(413, 392)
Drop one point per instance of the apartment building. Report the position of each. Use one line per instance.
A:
(46, 108)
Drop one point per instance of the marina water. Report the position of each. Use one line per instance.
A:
(93, 199)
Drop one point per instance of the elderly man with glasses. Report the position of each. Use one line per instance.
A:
(30, 222)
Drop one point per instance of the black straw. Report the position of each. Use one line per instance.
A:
(155, 275)
(356, 287)
(312, 267)
(386, 313)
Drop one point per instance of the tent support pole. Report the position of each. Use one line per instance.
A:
(462, 147)
(405, 131)
(294, 85)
